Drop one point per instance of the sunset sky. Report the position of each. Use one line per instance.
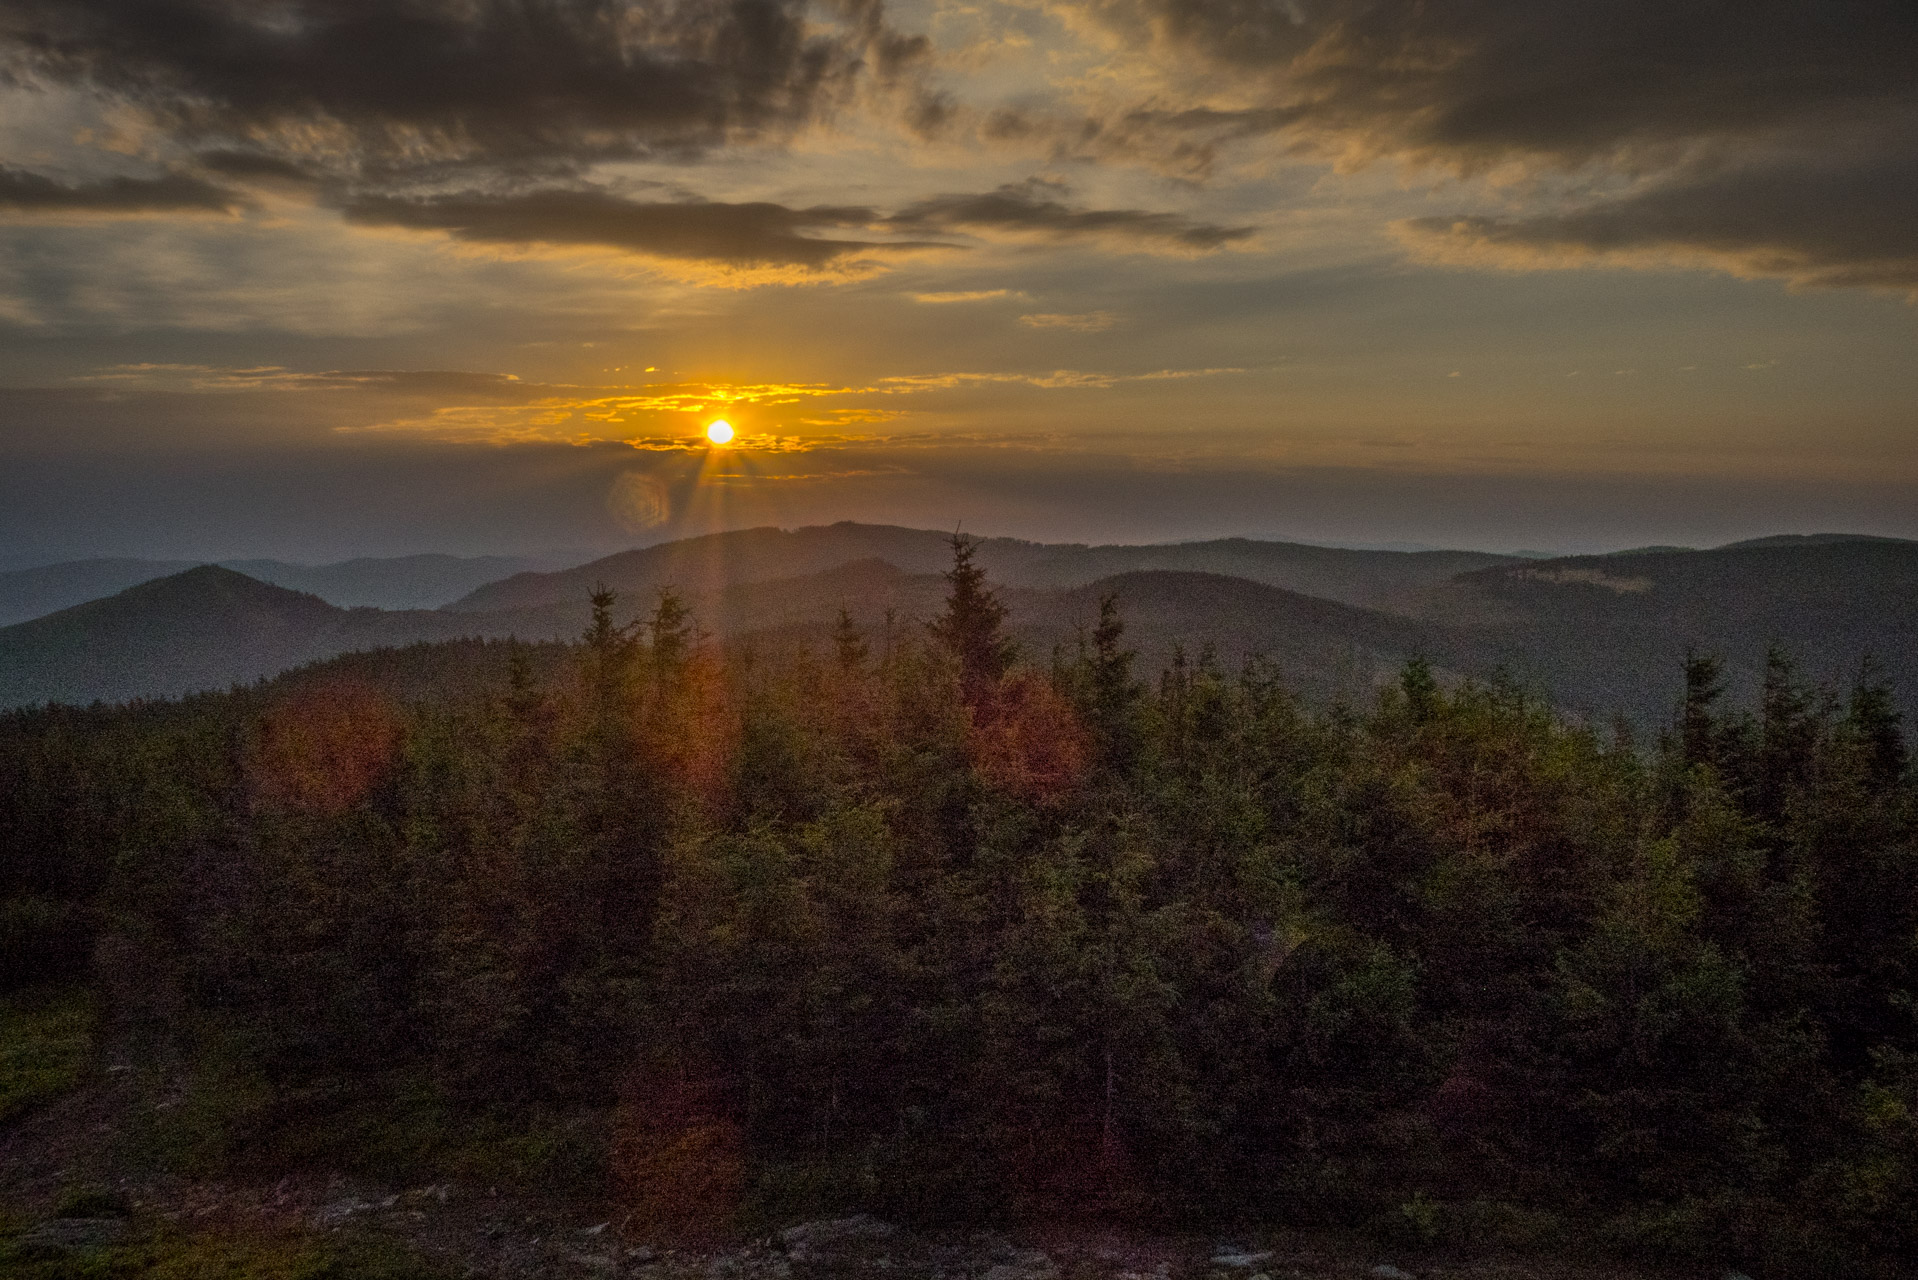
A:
(317, 278)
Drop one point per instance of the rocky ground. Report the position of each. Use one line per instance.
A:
(515, 1234)
(476, 1235)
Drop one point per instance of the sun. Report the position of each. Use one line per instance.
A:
(720, 431)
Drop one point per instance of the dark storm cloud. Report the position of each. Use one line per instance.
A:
(1827, 221)
(22, 191)
(470, 79)
(753, 234)
(1029, 208)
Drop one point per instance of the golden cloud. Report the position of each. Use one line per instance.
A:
(496, 408)
(1089, 322)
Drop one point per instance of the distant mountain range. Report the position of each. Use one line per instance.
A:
(1374, 579)
(399, 582)
(1597, 634)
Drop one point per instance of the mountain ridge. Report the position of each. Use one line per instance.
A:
(1596, 634)
(695, 565)
(423, 581)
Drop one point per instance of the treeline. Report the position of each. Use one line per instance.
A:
(909, 924)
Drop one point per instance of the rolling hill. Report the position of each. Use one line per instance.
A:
(205, 628)
(703, 565)
(48, 588)
(397, 582)
(1605, 633)
(210, 627)
(1595, 634)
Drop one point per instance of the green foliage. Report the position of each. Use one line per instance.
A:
(173, 1255)
(921, 931)
(972, 629)
(46, 1044)
(91, 1202)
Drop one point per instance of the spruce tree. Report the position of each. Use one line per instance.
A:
(849, 644)
(972, 629)
(1114, 696)
(1697, 720)
(1872, 722)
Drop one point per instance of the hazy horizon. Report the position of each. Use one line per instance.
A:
(551, 557)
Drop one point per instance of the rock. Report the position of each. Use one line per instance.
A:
(992, 1244)
(333, 1214)
(1022, 1264)
(861, 1226)
(1386, 1271)
(809, 1238)
(1241, 1260)
(76, 1233)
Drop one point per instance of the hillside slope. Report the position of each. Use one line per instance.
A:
(711, 563)
(394, 582)
(205, 628)
(391, 582)
(1322, 646)
(48, 588)
(1610, 632)
(1597, 634)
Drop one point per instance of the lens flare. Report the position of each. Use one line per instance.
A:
(720, 432)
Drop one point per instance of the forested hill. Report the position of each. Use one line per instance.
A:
(205, 628)
(44, 589)
(700, 565)
(1609, 633)
(1596, 635)
(209, 628)
(397, 582)
(691, 932)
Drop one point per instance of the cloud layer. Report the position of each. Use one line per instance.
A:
(763, 234)
(25, 192)
(757, 234)
(1033, 209)
(400, 82)
(1825, 221)
(1770, 138)
(1740, 137)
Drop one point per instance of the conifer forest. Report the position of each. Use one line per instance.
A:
(916, 924)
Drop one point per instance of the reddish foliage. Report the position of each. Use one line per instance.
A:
(325, 746)
(1078, 1171)
(678, 1161)
(1027, 740)
(1462, 1105)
